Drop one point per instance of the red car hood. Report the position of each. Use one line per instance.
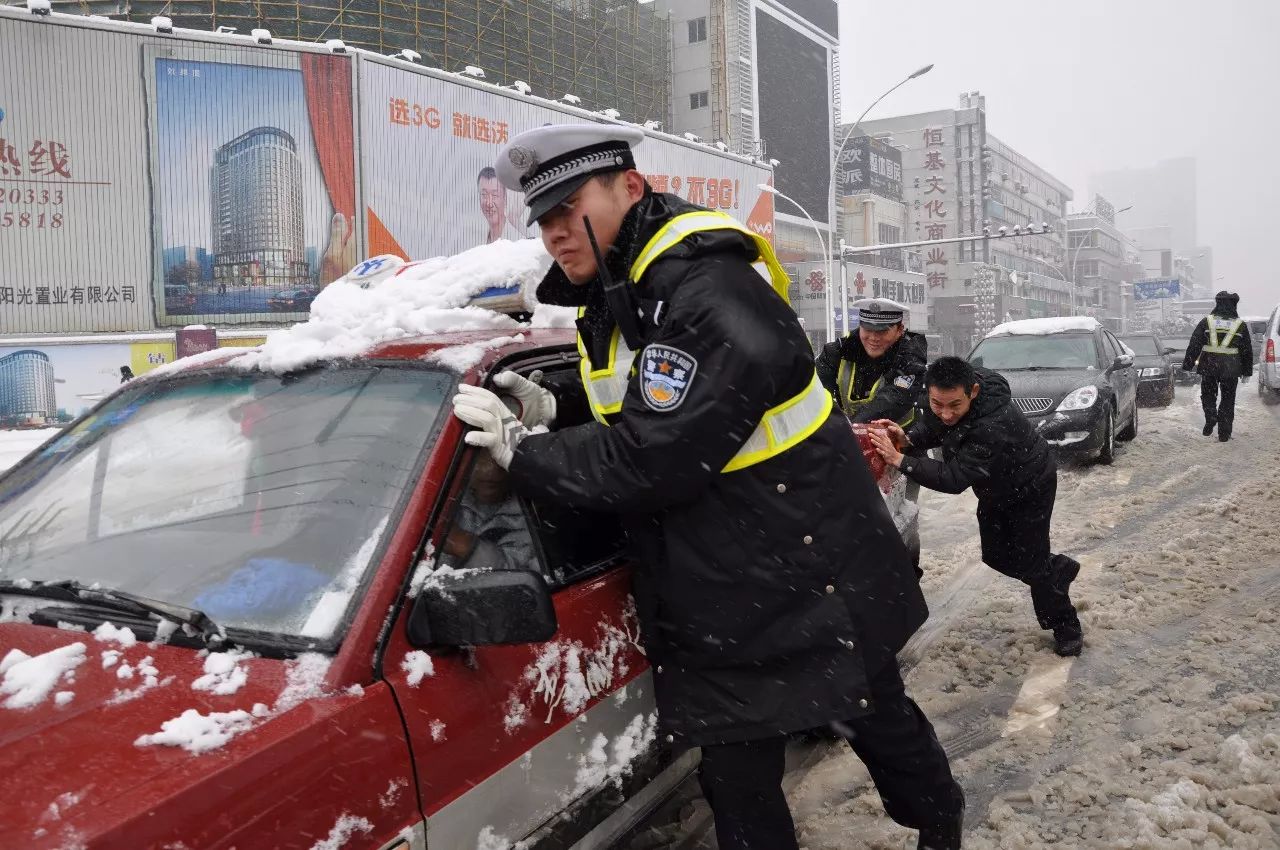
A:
(58, 762)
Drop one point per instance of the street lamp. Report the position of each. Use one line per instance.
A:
(830, 327)
(831, 186)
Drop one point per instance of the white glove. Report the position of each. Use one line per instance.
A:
(498, 429)
(537, 405)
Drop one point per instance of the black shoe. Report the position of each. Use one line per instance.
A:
(1223, 436)
(944, 837)
(1068, 640)
(1064, 570)
(1208, 428)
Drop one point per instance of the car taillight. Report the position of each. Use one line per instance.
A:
(1271, 351)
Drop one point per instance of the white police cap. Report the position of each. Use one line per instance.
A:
(548, 164)
(879, 313)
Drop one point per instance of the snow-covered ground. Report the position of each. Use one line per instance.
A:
(14, 445)
(1165, 733)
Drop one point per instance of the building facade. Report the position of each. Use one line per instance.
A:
(610, 53)
(957, 179)
(1162, 195)
(26, 387)
(1097, 262)
(762, 78)
(256, 193)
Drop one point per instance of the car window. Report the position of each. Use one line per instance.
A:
(1050, 351)
(1141, 344)
(258, 499)
(487, 528)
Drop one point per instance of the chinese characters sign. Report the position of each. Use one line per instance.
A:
(933, 206)
(870, 165)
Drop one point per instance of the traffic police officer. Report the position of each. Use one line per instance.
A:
(772, 588)
(877, 372)
(1221, 351)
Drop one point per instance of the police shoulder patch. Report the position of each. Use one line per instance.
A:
(904, 381)
(665, 376)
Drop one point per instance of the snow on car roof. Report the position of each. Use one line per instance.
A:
(352, 316)
(1042, 327)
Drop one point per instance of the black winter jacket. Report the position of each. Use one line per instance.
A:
(993, 449)
(1239, 365)
(765, 595)
(901, 368)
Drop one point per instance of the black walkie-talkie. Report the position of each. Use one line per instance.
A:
(618, 295)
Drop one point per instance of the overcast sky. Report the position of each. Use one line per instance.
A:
(1096, 85)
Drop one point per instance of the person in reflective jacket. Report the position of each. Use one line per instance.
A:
(772, 588)
(987, 444)
(876, 372)
(1222, 352)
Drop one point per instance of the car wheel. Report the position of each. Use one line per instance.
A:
(1131, 430)
(1107, 454)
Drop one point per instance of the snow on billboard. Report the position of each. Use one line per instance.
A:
(253, 170)
(428, 147)
(73, 185)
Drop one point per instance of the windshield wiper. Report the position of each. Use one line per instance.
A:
(71, 590)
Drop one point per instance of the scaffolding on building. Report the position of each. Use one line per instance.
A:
(610, 53)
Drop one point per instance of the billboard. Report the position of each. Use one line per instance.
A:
(428, 148)
(793, 81)
(74, 246)
(1156, 288)
(870, 165)
(194, 179)
(253, 168)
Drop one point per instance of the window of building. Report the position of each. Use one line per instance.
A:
(697, 30)
(698, 100)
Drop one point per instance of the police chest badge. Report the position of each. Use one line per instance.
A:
(904, 382)
(665, 376)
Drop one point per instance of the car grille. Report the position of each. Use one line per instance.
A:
(1034, 406)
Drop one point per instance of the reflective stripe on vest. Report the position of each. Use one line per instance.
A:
(1223, 346)
(687, 224)
(845, 382)
(781, 427)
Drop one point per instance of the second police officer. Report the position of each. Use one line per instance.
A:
(876, 372)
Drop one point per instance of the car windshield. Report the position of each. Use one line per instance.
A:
(1141, 344)
(258, 499)
(1049, 351)
(1258, 328)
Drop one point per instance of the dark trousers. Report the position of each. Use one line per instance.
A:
(1015, 542)
(743, 782)
(1222, 413)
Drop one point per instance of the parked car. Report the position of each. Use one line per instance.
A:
(1180, 344)
(365, 687)
(1156, 367)
(1071, 377)
(1269, 365)
(292, 300)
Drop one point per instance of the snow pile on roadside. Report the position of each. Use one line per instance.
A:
(198, 733)
(29, 679)
(17, 444)
(430, 297)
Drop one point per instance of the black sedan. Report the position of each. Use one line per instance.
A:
(1179, 346)
(1156, 366)
(292, 300)
(1071, 378)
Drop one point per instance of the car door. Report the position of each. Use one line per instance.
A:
(1124, 379)
(518, 742)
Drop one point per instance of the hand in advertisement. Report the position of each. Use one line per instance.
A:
(340, 254)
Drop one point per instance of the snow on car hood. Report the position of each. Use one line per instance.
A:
(76, 745)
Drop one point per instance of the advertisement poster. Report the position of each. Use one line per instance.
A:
(428, 148)
(73, 183)
(254, 176)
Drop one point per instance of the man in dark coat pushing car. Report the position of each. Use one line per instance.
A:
(772, 587)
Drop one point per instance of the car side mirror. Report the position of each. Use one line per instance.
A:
(1124, 361)
(482, 608)
(1170, 350)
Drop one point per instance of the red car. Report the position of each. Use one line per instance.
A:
(244, 610)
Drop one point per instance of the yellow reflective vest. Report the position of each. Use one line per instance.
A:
(783, 426)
